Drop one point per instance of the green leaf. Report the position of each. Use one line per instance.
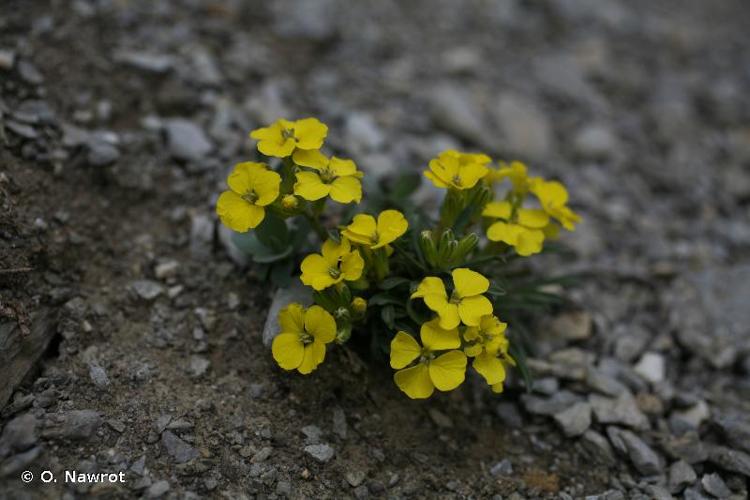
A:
(519, 354)
(272, 232)
(405, 185)
(388, 313)
(281, 273)
(393, 282)
(382, 299)
(249, 244)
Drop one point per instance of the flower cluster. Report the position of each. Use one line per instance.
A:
(421, 289)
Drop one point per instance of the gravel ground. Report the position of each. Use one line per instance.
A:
(119, 120)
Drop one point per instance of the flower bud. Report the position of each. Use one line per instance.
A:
(427, 245)
(289, 202)
(359, 306)
(466, 245)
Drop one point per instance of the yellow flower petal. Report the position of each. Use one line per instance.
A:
(241, 179)
(288, 350)
(309, 360)
(489, 367)
(352, 265)
(292, 318)
(532, 218)
(362, 230)
(443, 171)
(342, 167)
(266, 186)
(332, 251)
(320, 324)
(471, 333)
(448, 371)
(315, 272)
(318, 351)
(415, 381)
(346, 190)
(404, 350)
(310, 133)
(497, 388)
(449, 317)
(529, 242)
(492, 325)
(505, 232)
(471, 309)
(237, 214)
(473, 350)
(469, 175)
(435, 180)
(310, 187)
(431, 285)
(435, 338)
(391, 225)
(498, 210)
(469, 283)
(310, 158)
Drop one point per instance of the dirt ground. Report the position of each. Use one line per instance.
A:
(155, 365)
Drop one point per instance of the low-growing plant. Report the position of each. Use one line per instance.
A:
(430, 292)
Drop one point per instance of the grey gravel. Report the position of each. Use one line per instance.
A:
(524, 126)
(7, 59)
(622, 410)
(652, 367)
(98, 375)
(644, 458)
(323, 453)
(715, 485)
(74, 424)
(186, 140)
(19, 434)
(147, 289)
(503, 468)
(575, 420)
(177, 448)
(158, 489)
(729, 459)
(681, 474)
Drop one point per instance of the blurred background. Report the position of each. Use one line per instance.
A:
(129, 331)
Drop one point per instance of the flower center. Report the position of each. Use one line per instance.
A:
(374, 238)
(326, 175)
(287, 133)
(250, 197)
(334, 272)
(456, 180)
(426, 356)
(306, 338)
(455, 299)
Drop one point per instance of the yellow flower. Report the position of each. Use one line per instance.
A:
(488, 346)
(444, 372)
(301, 345)
(336, 263)
(452, 169)
(516, 172)
(252, 186)
(282, 137)
(554, 198)
(523, 230)
(363, 230)
(336, 177)
(466, 303)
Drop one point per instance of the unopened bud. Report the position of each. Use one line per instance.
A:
(359, 306)
(289, 202)
(427, 245)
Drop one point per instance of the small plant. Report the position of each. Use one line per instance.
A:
(430, 292)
